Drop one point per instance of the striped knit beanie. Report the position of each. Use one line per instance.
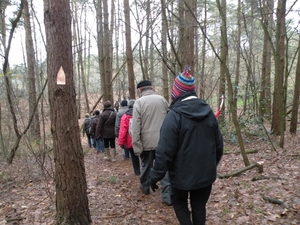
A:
(184, 82)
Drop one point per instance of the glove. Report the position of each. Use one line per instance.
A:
(153, 185)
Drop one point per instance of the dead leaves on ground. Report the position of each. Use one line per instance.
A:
(115, 198)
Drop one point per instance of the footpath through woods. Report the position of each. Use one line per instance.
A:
(115, 197)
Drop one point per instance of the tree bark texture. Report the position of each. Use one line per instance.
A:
(278, 117)
(30, 55)
(70, 179)
(129, 55)
(295, 108)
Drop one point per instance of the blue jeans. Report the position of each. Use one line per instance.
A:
(99, 145)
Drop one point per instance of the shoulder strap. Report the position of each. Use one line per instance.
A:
(108, 117)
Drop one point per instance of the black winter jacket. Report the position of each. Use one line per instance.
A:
(190, 144)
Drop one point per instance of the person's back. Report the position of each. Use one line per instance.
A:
(120, 113)
(148, 114)
(189, 149)
(125, 140)
(106, 129)
(98, 141)
(196, 158)
(87, 124)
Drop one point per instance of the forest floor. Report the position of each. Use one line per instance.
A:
(27, 196)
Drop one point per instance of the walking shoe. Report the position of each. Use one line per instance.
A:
(145, 191)
(167, 203)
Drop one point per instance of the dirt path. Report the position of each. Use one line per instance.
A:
(115, 197)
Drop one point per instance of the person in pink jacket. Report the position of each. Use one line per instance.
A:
(125, 140)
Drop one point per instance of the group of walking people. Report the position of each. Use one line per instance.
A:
(179, 145)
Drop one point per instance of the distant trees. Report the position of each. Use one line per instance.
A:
(248, 45)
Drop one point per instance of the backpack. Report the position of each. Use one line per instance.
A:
(88, 125)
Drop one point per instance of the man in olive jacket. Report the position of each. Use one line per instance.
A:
(149, 112)
(189, 148)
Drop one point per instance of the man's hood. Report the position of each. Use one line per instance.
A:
(191, 107)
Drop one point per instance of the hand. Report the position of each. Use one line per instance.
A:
(153, 185)
(122, 146)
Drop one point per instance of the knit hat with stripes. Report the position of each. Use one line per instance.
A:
(184, 82)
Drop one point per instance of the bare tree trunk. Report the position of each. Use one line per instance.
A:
(164, 28)
(223, 54)
(30, 55)
(145, 56)
(76, 62)
(81, 72)
(265, 86)
(238, 56)
(3, 5)
(8, 85)
(203, 56)
(107, 56)
(222, 11)
(129, 55)
(295, 108)
(100, 44)
(187, 33)
(278, 98)
(71, 187)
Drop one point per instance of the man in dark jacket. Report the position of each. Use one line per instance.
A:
(190, 147)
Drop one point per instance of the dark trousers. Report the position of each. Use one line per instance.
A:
(126, 153)
(109, 142)
(135, 161)
(147, 160)
(198, 200)
(89, 139)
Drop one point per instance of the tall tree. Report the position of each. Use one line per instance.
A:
(8, 83)
(129, 55)
(295, 108)
(108, 50)
(70, 179)
(224, 51)
(79, 45)
(187, 33)
(224, 68)
(100, 44)
(265, 86)
(238, 55)
(30, 55)
(165, 77)
(203, 54)
(278, 116)
(105, 47)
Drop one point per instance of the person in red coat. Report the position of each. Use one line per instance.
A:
(124, 139)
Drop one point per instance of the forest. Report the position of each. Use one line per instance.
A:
(63, 59)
